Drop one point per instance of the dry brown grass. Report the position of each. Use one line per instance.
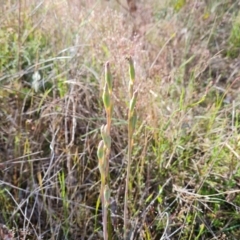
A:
(186, 141)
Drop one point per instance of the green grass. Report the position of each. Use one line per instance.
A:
(233, 40)
(183, 172)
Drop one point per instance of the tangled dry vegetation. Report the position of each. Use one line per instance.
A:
(185, 176)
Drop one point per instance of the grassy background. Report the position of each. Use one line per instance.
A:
(185, 175)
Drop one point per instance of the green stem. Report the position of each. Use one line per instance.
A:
(127, 178)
